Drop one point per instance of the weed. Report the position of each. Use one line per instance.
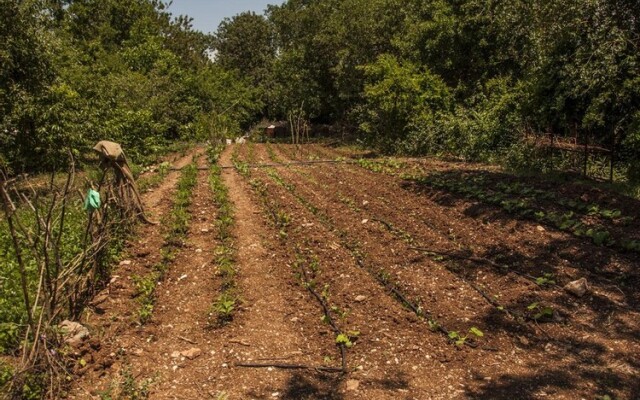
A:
(130, 388)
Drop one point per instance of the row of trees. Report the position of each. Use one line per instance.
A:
(463, 77)
(73, 72)
(468, 77)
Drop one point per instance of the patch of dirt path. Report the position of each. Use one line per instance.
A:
(112, 312)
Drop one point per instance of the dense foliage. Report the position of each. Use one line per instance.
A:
(470, 78)
(77, 71)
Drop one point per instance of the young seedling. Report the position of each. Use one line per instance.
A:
(538, 312)
(460, 340)
(546, 279)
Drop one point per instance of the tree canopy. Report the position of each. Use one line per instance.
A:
(472, 78)
(464, 77)
(77, 71)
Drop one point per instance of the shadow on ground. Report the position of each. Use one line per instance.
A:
(301, 386)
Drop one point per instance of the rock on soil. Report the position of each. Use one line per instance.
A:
(73, 333)
(191, 353)
(352, 385)
(577, 288)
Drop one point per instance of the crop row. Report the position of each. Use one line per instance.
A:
(525, 206)
(224, 306)
(306, 268)
(177, 223)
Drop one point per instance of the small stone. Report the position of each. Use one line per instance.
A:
(192, 353)
(100, 298)
(275, 394)
(540, 228)
(204, 230)
(198, 250)
(125, 262)
(364, 221)
(294, 319)
(175, 354)
(73, 333)
(365, 203)
(577, 288)
(523, 340)
(360, 299)
(352, 385)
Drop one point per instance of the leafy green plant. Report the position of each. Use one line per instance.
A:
(347, 339)
(600, 237)
(433, 325)
(224, 308)
(132, 389)
(546, 279)
(460, 340)
(539, 312)
(631, 245)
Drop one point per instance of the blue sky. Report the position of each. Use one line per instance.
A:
(207, 14)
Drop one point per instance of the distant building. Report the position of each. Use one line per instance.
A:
(277, 130)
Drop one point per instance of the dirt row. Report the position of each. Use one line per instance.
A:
(585, 337)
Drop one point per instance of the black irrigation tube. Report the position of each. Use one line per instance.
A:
(516, 316)
(480, 260)
(326, 221)
(327, 313)
(287, 164)
(408, 238)
(291, 366)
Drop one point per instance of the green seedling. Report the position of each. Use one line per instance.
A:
(539, 312)
(546, 279)
(460, 340)
(224, 308)
(631, 245)
(433, 325)
(611, 214)
(347, 339)
(600, 238)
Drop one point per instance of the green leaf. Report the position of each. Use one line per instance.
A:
(476, 331)
(343, 339)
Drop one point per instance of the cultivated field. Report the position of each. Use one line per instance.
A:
(319, 272)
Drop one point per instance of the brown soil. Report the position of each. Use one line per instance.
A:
(359, 235)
